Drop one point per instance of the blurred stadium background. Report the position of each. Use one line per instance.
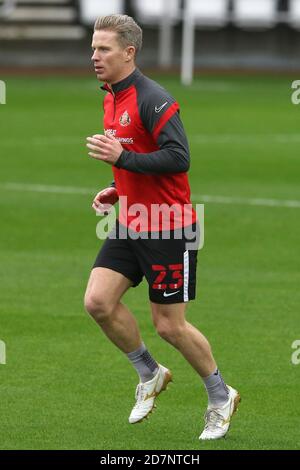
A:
(63, 385)
(230, 34)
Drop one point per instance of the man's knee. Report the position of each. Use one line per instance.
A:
(99, 306)
(169, 330)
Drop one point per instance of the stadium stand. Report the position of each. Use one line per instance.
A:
(255, 14)
(164, 15)
(40, 19)
(225, 33)
(294, 13)
(155, 11)
(90, 10)
(214, 13)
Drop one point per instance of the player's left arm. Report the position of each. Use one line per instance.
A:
(173, 155)
(159, 113)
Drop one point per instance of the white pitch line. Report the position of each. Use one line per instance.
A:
(41, 188)
(245, 138)
(42, 141)
(247, 201)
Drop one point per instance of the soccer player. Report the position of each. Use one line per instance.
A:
(145, 143)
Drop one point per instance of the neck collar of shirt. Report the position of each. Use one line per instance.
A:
(123, 84)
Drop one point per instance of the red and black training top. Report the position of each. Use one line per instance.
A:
(152, 168)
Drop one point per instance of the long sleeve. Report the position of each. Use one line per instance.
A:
(172, 156)
(160, 116)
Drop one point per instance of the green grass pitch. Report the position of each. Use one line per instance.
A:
(64, 386)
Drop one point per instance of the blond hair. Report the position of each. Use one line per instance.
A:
(129, 32)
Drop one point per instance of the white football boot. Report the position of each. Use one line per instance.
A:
(147, 392)
(217, 420)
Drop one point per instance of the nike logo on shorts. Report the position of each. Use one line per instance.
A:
(171, 293)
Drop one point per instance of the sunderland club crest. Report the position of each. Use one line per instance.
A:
(125, 119)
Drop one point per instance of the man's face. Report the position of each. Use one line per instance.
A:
(109, 57)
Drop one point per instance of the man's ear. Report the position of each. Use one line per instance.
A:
(129, 53)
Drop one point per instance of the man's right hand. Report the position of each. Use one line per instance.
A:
(104, 200)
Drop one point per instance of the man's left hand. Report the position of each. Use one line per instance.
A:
(105, 148)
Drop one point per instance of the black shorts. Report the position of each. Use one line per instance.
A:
(168, 264)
